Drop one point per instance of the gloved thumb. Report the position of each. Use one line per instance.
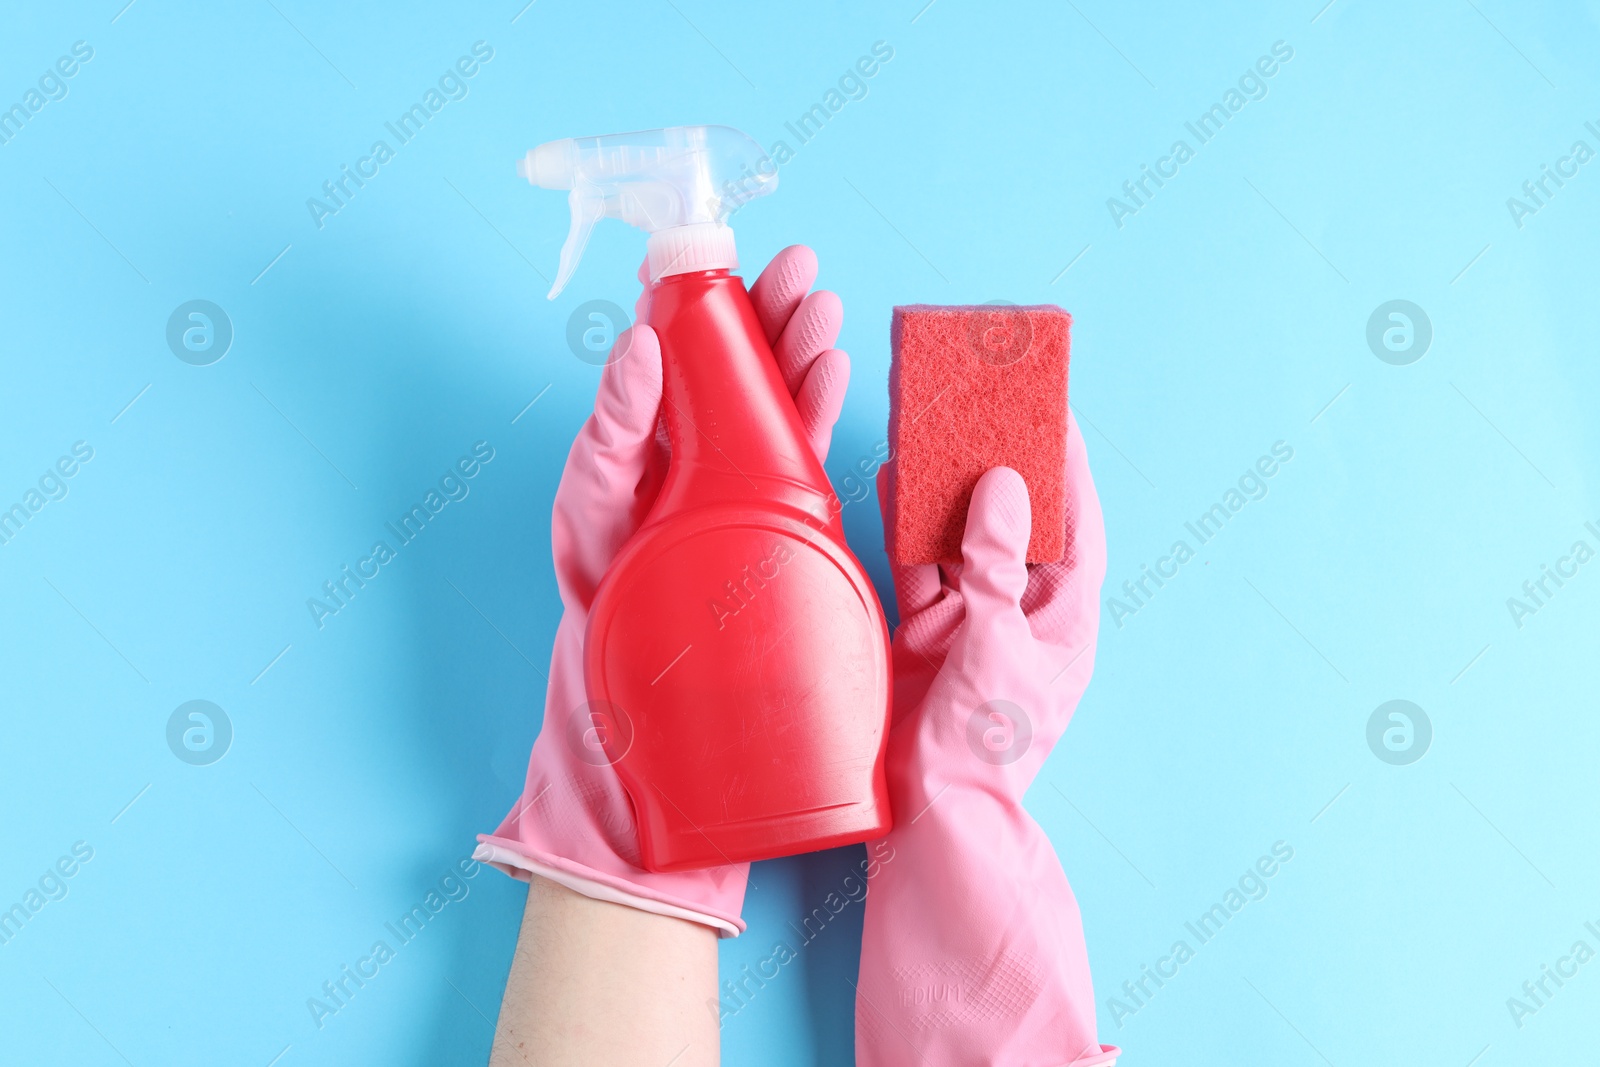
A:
(598, 506)
(994, 549)
(628, 398)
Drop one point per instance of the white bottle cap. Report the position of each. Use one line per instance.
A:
(695, 247)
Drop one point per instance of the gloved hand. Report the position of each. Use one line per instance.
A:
(972, 951)
(574, 823)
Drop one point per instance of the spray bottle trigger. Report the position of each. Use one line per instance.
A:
(681, 182)
(587, 209)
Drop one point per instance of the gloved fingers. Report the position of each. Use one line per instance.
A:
(1063, 599)
(994, 549)
(780, 288)
(821, 398)
(812, 330)
(917, 586)
(598, 504)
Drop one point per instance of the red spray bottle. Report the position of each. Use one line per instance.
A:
(736, 649)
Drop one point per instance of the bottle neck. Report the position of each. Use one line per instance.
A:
(733, 427)
(699, 246)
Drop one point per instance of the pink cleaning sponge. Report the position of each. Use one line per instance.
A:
(973, 387)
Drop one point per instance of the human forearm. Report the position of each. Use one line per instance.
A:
(596, 983)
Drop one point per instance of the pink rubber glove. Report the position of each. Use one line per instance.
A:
(574, 824)
(972, 951)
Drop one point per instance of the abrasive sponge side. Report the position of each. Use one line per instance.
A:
(973, 387)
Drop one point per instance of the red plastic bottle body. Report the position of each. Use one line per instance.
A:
(736, 643)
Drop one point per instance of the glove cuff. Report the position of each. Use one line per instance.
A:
(517, 860)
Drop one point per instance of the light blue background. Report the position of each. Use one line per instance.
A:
(1229, 313)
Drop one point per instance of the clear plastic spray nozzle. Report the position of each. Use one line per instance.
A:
(679, 185)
